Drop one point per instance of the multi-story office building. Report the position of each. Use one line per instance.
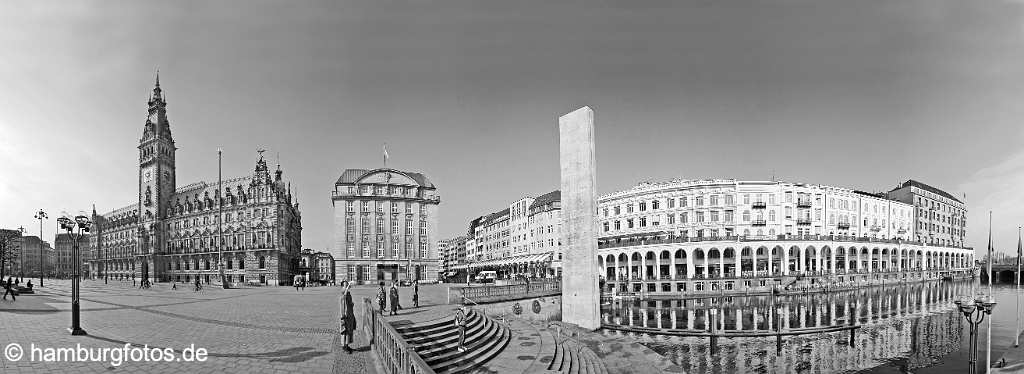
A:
(31, 248)
(64, 252)
(939, 217)
(385, 226)
(316, 266)
(172, 233)
(453, 253)
(522, 239)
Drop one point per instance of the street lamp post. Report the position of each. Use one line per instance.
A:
(41, 215)
(76, 228)
(21, 256)
(975, 311)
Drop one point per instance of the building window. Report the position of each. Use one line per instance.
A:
(618, 225)
(671, 203)
(684, 217)
(643, 206)
(605, 226)
(629, 223)
(643, 221)
(671, 219)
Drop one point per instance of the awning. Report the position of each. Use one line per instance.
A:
(524, 259)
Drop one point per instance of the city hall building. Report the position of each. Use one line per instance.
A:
(385, 226)
(171, 231)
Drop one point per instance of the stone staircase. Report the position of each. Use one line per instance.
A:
(437, 342)
(573, 358)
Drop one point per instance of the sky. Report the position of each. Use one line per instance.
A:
(858, 94)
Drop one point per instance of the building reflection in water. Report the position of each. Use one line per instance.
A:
(912, 324)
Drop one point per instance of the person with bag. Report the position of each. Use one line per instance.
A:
(382, 298)
(348, 318)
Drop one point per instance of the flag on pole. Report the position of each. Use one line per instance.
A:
(385, 154)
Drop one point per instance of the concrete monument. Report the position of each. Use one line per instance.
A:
(580, 293)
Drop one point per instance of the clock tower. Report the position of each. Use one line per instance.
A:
(156, 183)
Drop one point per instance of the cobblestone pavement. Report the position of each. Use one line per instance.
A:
(264, 330)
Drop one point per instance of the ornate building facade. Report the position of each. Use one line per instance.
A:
(173, 233)
(385, 226)
(523, 239)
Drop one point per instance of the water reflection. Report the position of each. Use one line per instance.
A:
(907, 326)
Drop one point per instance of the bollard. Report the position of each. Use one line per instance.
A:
(778, 344)
(853, 334)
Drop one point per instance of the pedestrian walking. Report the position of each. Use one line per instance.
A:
(8, 289)
(348, 317)
(416, 293)
(393, 293)
(199, 285)
(382, 298)
(174, 285)
(297, 282)
(460, 323)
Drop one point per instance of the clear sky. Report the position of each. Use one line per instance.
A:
(860, 94)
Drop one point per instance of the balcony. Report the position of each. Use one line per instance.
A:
(803, 221)
(803, 203)
(759, 222)
(759, 205)
(843, 225)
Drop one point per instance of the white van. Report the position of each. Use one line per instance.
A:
(486, 276)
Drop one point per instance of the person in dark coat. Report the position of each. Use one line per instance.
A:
(9, 287)
(416, 294)
(393, 296)
(382, 298)
(348, 317)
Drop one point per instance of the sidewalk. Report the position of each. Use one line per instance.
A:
(1014, 360)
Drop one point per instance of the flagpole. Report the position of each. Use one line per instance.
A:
(220, 218)
(988, 351)
(1016, 339)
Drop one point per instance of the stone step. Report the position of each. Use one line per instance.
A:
(450, 343)
(478, 355)
(556, 360)
(450, 349)
(441, 332)
(418, 327)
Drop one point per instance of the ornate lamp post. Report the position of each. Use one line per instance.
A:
(81, 223)
(40, 215)
(975, 311)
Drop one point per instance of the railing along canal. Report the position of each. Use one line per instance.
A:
(394, 353)
(487, 294)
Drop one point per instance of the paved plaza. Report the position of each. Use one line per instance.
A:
(265, 330)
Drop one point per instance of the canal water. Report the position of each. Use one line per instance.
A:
(904, 328)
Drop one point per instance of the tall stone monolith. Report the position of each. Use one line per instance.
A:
(580, 293)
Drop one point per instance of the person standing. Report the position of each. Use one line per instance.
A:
(348, 317)
(297, 281)
(460, 323)
(8, 287)
(393, 293)
(416, 293)
(382, 298)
